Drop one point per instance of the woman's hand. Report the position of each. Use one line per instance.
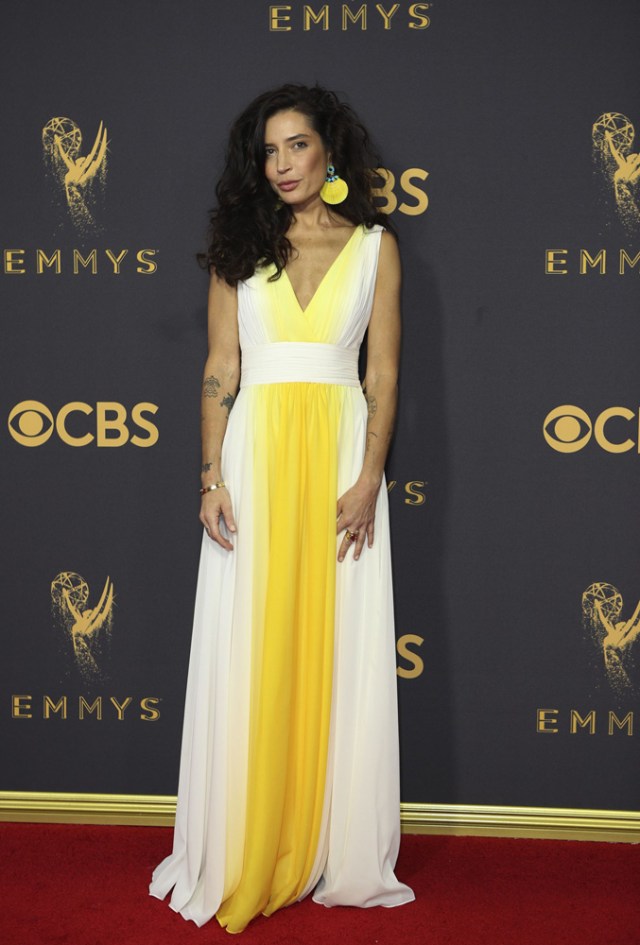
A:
(214, 506)
(356, 513)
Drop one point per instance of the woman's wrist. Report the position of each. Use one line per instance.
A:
(210, 472)
(371, 479)
(213, 486)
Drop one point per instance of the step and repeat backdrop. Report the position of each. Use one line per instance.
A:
(512, 174)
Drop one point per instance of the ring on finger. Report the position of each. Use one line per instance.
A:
(351, 536)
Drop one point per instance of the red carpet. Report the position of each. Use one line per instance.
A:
(87, 885)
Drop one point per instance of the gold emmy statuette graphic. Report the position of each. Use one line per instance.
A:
(612, 135)
(601, 609)
(76, 173)
(88, 628)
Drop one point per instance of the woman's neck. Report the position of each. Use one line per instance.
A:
(312, 215)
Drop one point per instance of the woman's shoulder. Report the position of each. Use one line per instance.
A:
(260, 274)
(388, 254)
(385, 238)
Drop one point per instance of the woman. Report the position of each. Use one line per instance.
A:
(289, 761)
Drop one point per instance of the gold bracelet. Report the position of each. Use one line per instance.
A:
(216, 485)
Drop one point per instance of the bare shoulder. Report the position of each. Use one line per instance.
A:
(220, 288)
(389, 258)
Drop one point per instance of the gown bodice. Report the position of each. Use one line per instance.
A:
(338, 313)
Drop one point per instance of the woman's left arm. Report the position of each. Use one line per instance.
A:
(356, 508)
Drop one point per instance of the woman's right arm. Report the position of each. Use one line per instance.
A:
(219, 389)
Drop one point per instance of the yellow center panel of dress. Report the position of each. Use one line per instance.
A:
(296, 429)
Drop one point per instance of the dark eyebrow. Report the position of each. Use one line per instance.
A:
(302, 134)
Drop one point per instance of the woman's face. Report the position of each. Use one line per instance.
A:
(295, 157)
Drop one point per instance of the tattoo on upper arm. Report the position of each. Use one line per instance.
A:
(372, 406)
(210, 386)
(227, 401)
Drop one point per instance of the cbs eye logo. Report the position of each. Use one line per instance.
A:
(31, 423)
(568, 429)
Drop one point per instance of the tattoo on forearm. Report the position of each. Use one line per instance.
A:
(227, 401)
(210, 386)
(372, 406)
(206, 467)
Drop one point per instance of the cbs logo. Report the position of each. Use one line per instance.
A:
(568, 429)
(31, 423)
(387, 192)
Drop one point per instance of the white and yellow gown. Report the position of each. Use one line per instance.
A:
(289, 777)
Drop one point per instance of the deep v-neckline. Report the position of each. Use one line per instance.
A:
(322, 281)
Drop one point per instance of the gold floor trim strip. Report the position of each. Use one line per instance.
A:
(448, 819)
(36, 807)
(542, 822)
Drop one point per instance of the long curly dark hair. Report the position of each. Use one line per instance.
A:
(248, 226)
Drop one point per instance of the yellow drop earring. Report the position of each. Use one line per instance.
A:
(334, 190)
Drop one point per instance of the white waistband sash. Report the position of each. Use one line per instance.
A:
(284, 361)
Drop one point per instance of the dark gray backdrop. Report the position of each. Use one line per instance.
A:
(496, 102)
